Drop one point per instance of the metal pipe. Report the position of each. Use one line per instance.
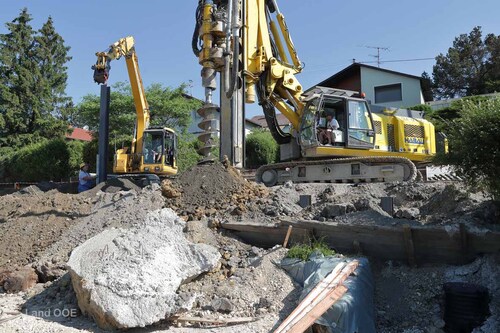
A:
(235, 34)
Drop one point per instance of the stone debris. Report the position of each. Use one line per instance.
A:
(127, 278)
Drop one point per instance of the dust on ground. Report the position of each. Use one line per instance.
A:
(40, 229)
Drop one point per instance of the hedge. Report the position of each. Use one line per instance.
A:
(261, 149)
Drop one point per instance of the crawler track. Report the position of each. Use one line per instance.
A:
(278, 173)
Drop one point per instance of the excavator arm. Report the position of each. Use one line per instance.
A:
(267, 60)
(125, 48)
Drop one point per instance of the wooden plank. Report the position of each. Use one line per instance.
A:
(213, 322)
(463, 238)
(318, 301)
(357, 247)
(267, 235)
(285, 243)
(435, 244)
(483, 242)
(409, 246)
(310, 298)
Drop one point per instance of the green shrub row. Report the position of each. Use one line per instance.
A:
(54, 159)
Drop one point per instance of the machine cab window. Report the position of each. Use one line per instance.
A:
(153, 147)
(360, 131)
(159, 147)
(308, 126)
(330, 121)
(170, 148)
(323, 122)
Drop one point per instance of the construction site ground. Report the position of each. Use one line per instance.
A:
(39, 229)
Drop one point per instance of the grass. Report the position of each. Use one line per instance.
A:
(303, 251)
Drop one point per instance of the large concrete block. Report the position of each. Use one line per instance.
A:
(129, 278)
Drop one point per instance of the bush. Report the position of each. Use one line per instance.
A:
(304, 251)
(90, 151)
(186, 151)
(443, 118)
(54, 159)
(47, 160)
(261, 149)
(421, 107)
(474, 144)
(75, 149)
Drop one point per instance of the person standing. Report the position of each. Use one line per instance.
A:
(85, 180)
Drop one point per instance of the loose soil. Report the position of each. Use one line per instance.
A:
(40, 229)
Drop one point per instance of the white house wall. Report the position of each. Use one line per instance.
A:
(410, 87)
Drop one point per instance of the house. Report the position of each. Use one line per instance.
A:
(381, 86)
(79, 134)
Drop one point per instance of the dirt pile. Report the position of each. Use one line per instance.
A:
(41, 229)
(210, 189)
(29, 223)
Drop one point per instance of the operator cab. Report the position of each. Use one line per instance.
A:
(336, 118)
(159, 148)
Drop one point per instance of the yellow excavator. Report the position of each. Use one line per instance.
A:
(153, 149)
(249, 44)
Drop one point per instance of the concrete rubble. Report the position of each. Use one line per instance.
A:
(126, 278)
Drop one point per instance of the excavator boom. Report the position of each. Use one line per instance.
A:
(142, 157)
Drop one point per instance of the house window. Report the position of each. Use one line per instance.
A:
(390, 93)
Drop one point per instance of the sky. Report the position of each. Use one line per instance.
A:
(328, 35)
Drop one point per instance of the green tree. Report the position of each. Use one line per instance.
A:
(122, 114)
(187, 151)
(426, 84)
(52, 56)
(168, 107)
(474, 144)
(26, 85)
(471, 66)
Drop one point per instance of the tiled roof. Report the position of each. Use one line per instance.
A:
(79, 134)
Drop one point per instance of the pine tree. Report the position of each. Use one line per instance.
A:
(426, 84)
(32, 82)
(470, 67)
(18, 79)
(53, 56)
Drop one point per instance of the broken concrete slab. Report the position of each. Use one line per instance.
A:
(337, 210)
(129, 278)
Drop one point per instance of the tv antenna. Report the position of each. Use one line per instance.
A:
(379, 48)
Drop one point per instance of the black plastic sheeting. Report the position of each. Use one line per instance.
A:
(353, 312)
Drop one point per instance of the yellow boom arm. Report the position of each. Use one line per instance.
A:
(125, 48)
